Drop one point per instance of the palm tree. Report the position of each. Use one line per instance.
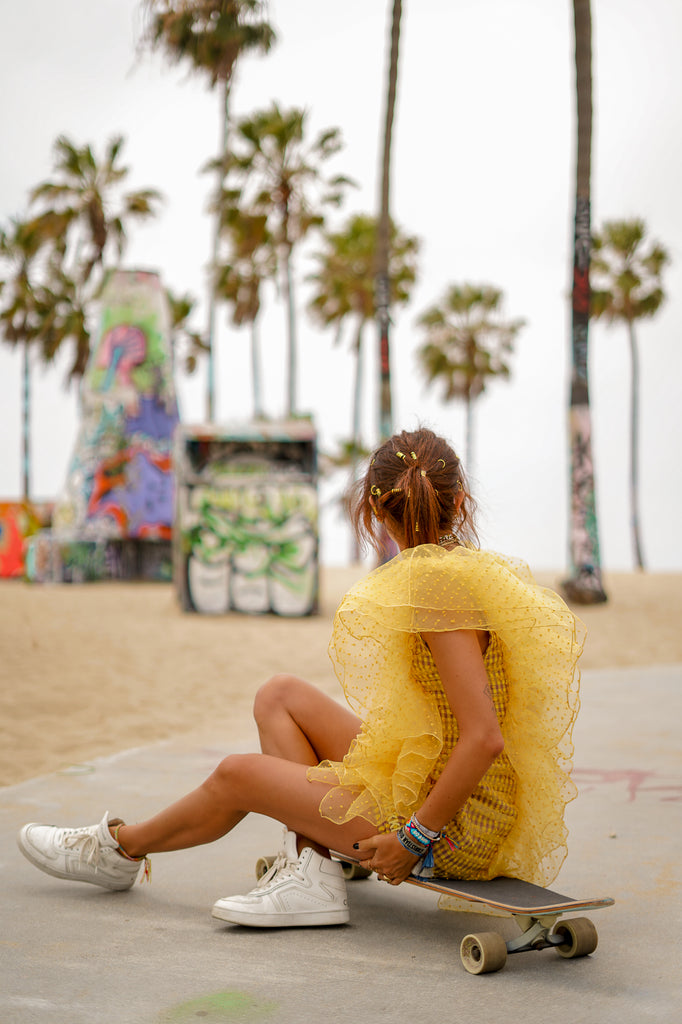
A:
(627, 279)
(383, 289)
(280, 175)
(467, 343)
(21, 312)
(345, 280)
(83, 219)
(585, 584)
(249, 262)
(210, 35)
(180, 308)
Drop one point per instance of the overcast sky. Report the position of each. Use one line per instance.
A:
(482, 173)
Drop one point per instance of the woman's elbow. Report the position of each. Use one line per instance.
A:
(490, 744)
(495, 744)
(484, 744)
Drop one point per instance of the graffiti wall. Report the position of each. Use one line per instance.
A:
(247, 520)
(19, 520)
(118, 496)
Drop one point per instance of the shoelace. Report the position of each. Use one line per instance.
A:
(280, 864)
(85, 840)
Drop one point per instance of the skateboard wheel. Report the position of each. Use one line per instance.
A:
(263, 865)
(580, 937)
(483, 953)
(354, 871)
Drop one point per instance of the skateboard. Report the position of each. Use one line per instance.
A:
(536, 910)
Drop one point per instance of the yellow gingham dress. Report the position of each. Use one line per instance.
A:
(513, 823)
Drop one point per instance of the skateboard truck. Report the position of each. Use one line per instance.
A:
(487, 951)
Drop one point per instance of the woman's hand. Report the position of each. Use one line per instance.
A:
(386, 855)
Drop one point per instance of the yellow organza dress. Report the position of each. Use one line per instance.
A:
(513, 823)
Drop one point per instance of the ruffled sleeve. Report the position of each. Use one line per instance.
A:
(384, 776)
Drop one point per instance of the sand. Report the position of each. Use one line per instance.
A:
(88, 671)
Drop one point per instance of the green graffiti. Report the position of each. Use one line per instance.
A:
(264, 532)
(218, 1008)
(84, 561)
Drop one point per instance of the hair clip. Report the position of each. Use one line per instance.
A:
(423, 472)
(375, 491)
(443, 461)
(400, 455)
(413, 456)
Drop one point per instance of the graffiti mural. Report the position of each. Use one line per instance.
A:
(19, 522)
(119, 492)
(16, 523)
(247, 521)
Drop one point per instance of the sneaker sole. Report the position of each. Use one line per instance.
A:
(68, 876)
(281, 920)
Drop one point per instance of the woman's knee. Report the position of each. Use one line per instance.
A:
(232, 774)
(274, 697)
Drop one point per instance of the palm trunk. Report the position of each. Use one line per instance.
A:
(634, 448)
(291, 335)
(383, 285)
(256, 372)
(469, 434)
(26, 423)
(210, 339)
(356, 430)
(584, 585)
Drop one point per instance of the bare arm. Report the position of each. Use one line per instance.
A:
(459, 661)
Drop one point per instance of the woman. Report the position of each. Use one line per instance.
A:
(454, 755)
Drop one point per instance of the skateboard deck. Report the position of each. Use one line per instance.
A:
(535, 909)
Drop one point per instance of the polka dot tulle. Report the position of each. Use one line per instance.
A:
(513, 824)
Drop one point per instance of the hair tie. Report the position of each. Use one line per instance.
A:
(400, 455)
(423, 472)
(413, 456)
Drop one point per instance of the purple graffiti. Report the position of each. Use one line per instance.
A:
(152, 419)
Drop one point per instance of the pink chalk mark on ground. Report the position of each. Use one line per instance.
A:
(637, 782)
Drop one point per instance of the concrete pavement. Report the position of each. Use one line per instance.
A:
(74, 954)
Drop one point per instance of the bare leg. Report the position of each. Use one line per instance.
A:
(299, 723)
(241, 783)
(299, 726)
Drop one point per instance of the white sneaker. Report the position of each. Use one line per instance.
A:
(297, 891)
(80, 854)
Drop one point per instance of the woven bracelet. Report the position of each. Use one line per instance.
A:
(410, 845)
